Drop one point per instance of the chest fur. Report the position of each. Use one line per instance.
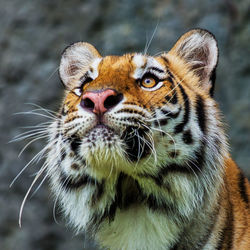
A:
(124, 216)
(138, 228)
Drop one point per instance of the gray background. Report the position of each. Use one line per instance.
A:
(32, 36)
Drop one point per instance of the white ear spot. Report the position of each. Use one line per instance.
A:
(76, 60)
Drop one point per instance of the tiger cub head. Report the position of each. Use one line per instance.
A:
(137, 113)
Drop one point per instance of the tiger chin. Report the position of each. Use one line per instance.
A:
(139, 159)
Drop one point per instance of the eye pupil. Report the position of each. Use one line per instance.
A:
(148, 82)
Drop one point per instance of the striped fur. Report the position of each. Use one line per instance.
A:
(154, 171)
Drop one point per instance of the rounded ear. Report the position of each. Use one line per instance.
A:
(75, 61)
(198, 48)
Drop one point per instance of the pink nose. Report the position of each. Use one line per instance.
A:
(100, 102)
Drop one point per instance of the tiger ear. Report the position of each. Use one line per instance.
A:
(75, 61)
(198, 48)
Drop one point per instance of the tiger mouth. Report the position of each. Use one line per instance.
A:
(100, 132)
(135, 142)
(134, 139)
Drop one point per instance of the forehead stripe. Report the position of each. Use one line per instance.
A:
(156, 69)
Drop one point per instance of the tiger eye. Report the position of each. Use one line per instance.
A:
(148, 82)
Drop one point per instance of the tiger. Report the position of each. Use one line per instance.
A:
(138, 157)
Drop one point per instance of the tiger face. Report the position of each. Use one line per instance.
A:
(133, 113)
(138, 133)
(117, 113)
(137, 156)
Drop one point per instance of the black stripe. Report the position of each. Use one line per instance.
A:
(187, 137)
(170, 79)
(193, 166)
(130, 111)
(226, 239)
(118, 195)
(170, 74)
(242, 188)
(98, 193)
(212, 222)
(156, 69)
(165, 59)
(179, 127)
(64, 112)
(200, 111)
(170, 114)
(175, 247)
(128, 192)
(112, 211)
(212, 80)
(108, 213)
(158, 179)
(68, 183)
(63, 154)
(158, 205)
(75, 143)
(230, 227)
(172, 99)
(176, 168)
(98, 217)
(161, 122)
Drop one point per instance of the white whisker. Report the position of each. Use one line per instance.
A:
(27, 194)
(38, 138)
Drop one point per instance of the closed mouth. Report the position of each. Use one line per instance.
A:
(138, 145)
(102, 126)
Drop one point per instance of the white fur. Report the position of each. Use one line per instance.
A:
(139, 228)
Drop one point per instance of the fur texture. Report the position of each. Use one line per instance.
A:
(153, 171)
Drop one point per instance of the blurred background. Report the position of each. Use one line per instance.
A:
(32, 37)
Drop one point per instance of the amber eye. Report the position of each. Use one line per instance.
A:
(148, 82)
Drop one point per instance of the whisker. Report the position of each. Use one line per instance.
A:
(37, 156)
(27, 194)
(151, 39)
(51, 75)
(45, 109)
(38, 187)
(35, 113)
(40, 137)
(29, 134)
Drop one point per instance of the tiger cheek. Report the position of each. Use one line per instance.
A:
(71, 102)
